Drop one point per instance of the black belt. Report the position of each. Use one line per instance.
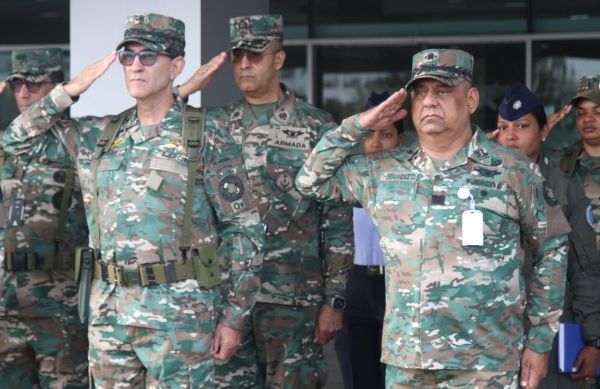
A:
(372, 270)
(23, 262)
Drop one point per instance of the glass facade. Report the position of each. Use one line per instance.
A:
(359, 46)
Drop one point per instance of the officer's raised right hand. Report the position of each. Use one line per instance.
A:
(384, 114)
(2, 86)
(86, 78)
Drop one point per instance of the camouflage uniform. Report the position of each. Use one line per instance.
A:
(42, 341)
(308, 248)
(576, 162)
(159, 335)
(452, 307)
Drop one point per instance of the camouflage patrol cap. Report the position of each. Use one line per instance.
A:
(450, 67)
(587, 88)
(35, 65)
(156, 32)
(255, 33)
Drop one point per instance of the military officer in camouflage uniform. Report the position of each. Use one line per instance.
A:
(309, 247)
(151, 322)
(582, 159)
(450, 212)
(522, 124)
(42, 342)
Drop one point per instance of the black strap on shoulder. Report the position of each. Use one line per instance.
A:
(102, 146)
(569, 159)
(193, 141)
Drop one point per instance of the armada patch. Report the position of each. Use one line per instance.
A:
(399, 176)
(488, 184)
(284, 181)
(231, 188)
(589, 216)
(549, 195)
(290, 138)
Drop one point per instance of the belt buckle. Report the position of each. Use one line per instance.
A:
(131, 277)
(375, 270)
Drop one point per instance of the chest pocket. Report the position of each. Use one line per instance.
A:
(286, 203)
(166, 183)
(497, 223)
(395, 203)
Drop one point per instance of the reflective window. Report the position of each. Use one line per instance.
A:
(557, 66)
(561, 16)
(349, 74)
(293, 73)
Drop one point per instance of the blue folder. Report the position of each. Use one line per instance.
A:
(570, 342)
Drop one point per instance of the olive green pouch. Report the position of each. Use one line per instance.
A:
(206, 266)
(84, 274)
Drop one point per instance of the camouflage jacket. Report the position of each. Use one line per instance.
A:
(451, 306)
(582, 300)
(38, 179)
(587, 174)
(140, 226)
(309, 247)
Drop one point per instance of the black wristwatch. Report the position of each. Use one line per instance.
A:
(593, 343)
(337, 303)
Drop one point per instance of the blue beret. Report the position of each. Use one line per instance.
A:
(376, 99)
(518, 102)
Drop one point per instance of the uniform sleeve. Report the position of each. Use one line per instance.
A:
(584, 264)
(545, 228)
(30, 132)
(241, 233)
(337, 241)
(327, 174)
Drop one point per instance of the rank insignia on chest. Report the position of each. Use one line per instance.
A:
(284, 181)
(175, 143)
(117, 142)
(549, 195)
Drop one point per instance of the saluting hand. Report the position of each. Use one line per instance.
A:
(558, 116)
(86, 78)
(203, 76)
(385, 113)
(2, 86)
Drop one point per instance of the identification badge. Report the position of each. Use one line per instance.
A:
(472, 228)
(15, 213)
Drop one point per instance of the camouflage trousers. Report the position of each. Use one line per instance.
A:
(398, 378)
(43, 352)
(277, 351)
(136, 357)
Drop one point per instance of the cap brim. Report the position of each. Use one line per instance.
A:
(28, 76)
(258, 45)
(584, 95)
(443, 80)
(152, 45)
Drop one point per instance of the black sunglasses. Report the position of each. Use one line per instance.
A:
(32, 87)
(254, 57)
(147, 57)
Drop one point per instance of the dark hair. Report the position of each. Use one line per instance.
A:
(175, 51)
(57, 77)
(399, 126)
(540, 115)
(276, 45)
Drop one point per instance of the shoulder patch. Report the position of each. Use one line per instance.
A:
(549, 195)
(231, 188)
(589, 216)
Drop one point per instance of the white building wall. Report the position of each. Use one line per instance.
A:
(97, 27)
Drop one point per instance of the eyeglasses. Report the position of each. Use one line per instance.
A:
(147, 57)
(32, 87)
(253, 57)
